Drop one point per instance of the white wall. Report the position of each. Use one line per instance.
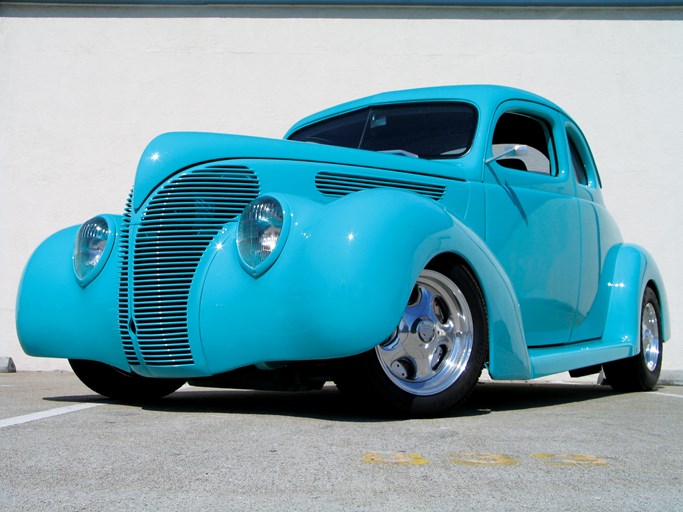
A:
(82, 90)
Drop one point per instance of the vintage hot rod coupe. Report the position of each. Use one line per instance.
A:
(396, 245)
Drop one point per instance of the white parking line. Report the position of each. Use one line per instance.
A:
(665, 394)
(18, 420)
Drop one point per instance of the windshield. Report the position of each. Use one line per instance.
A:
(423, 130)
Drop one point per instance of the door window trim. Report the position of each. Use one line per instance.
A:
(549, 123)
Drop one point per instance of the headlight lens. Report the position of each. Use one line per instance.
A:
(262, 227)
(94, 242)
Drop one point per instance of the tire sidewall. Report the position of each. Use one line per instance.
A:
(119, 385)
(632, 374)
(649, 378)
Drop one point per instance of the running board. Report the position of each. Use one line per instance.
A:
(557, 359)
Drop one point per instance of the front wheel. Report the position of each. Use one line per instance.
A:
(435, 356)
(119, 385)
(641, 372)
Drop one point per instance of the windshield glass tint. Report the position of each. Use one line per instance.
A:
(425, 130)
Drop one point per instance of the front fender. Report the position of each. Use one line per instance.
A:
(341, 283)
(56, 317)
(338, 288)
(634, 269)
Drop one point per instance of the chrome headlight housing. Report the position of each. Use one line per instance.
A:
(94, 243)
(261, 233)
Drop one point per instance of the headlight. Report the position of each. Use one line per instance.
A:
(261, 232)
(94, 242)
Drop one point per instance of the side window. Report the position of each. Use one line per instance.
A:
(513, 129)
(578, 163)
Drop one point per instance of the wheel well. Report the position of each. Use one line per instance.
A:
(653, 286)
(445, 261)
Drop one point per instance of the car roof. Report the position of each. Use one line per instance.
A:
(480, 95)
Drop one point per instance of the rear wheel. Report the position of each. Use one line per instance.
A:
(119, 385)
(435, 356)
(641, 372)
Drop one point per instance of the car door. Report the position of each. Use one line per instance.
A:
(599, 235)
(532, 218)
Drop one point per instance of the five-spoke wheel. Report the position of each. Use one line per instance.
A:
(433, 342)
(435, 356)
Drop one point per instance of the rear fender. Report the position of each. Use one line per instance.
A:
(634, 269)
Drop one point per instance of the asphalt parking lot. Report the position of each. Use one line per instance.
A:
(514, 446)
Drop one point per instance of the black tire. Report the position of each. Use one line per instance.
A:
(434, 358)
(641, 372)
(119, 385)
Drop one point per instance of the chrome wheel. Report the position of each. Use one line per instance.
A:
(434, 358)
(649, 336)
(432, 344)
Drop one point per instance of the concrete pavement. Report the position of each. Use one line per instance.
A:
(514, 446)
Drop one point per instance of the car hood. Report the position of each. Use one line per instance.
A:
(173, 152)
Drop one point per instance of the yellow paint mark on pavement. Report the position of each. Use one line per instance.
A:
(401, 458)
(482, 459)
(570, 459)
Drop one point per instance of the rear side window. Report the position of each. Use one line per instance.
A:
(424, 130)
(581, 158)
(578, 164)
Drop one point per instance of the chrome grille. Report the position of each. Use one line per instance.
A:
(175, 228)
(337, 184)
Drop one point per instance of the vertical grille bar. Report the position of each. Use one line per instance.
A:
(124, 318)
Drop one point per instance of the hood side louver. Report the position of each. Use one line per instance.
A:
(338, 184)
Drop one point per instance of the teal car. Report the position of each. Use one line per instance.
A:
(396, 245)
